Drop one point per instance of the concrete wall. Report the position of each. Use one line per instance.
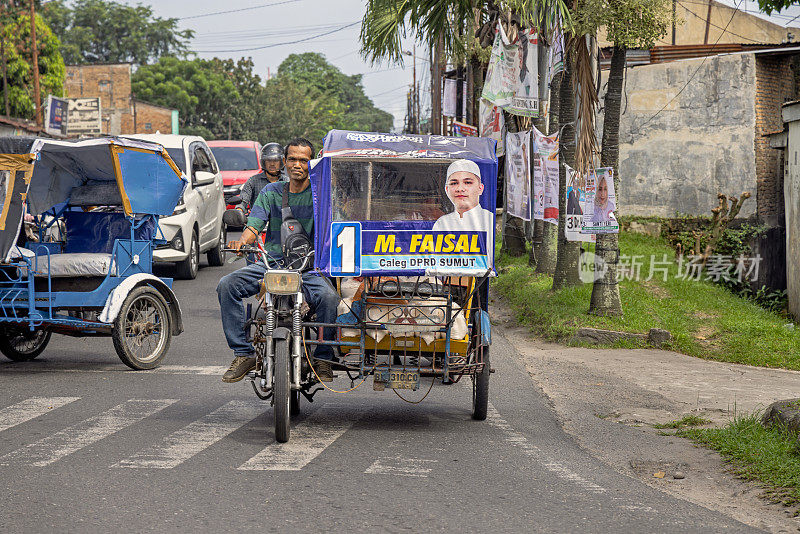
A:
(743, 27)
(701, 144)
(791, 193)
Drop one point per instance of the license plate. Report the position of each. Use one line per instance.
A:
(398, 379)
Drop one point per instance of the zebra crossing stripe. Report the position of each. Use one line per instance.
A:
(195, 437)
(65, 442)
(307, 441)
(397, 466)
(32, 408)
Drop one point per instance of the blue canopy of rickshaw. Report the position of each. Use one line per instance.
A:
(146, 180)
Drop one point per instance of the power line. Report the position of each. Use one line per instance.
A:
(279, 44)
(237, 10)
(645, 123)
(724, 30)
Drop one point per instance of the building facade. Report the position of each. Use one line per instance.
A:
(121, 112)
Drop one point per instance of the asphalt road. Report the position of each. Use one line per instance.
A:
(88, 446)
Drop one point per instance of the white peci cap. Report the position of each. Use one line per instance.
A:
(464, 165)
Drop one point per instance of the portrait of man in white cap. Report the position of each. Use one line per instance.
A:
(464, 188)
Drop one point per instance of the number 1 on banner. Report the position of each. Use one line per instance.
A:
(345, 249)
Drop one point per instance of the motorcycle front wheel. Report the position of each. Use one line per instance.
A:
(281, 390)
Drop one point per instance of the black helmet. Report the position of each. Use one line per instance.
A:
(271, 151)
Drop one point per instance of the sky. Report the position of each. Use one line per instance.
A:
(266, 30)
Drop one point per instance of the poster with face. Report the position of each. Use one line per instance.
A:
(385, 211)
(518, 174)
(526, 95)
(576, 198)
(545, 180)
(601, 200)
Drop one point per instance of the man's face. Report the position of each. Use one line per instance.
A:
(602, 192)
(464, 190)
(272, 166)
(297, 159)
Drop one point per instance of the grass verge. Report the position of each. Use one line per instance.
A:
(769, 456)
(705, 319)
(685, 421)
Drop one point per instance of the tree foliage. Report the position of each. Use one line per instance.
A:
(311, 71)
(768, 6)
(101, 31)
(224, 98)
(15, 33)
(628, 23)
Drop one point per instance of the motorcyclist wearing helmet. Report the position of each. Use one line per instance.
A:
(272, 167)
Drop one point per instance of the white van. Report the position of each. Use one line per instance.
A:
(196, 226)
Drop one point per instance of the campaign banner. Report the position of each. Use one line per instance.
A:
(576, 197)
(526, 96)
(518, 175)
(545, 178)
(512, 77)
(462, 129)
(401, 214)
(601, 200)
(492, 124)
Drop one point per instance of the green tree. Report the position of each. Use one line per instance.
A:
(312, 71)
(15, 34)
(202, 92)
(629, 24)
(101, 31)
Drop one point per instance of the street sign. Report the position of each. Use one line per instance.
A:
(56, 115)
(83, 116)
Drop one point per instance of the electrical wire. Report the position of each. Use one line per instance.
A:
(237, 10)
(714, 25)
(279, 44)
(648, 121)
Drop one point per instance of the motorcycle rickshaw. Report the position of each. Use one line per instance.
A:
(78, 224)
(414, 290)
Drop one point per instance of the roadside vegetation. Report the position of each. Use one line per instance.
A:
(705, 319)
(769, 456)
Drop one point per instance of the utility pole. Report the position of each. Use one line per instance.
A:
(436, 88)
(37, 100)
(415, 98)
(5, 75)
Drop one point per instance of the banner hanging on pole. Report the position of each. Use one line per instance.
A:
(576, 197)
(601, 200)
(545, 177)
(518, 174)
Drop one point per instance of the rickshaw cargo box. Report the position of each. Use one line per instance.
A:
(404, 204)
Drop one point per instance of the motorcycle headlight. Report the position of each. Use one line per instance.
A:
(282, 282)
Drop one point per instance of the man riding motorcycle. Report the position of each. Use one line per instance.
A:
(272, 167)
(265, 215)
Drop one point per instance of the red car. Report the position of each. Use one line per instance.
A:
(238, 161)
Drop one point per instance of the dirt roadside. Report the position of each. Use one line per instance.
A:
(609, 398)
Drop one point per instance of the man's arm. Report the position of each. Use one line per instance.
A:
(259, 215)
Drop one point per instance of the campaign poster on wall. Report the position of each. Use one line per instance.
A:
(518, 174)
(601, 200)
(576, 197)
(545, 180)
(404, 204)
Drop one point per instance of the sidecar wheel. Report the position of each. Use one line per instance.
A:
(282, 390)
(142, 330)
(23, 345)
(480, 389)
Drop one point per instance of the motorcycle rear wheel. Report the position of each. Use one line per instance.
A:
(281, 390)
